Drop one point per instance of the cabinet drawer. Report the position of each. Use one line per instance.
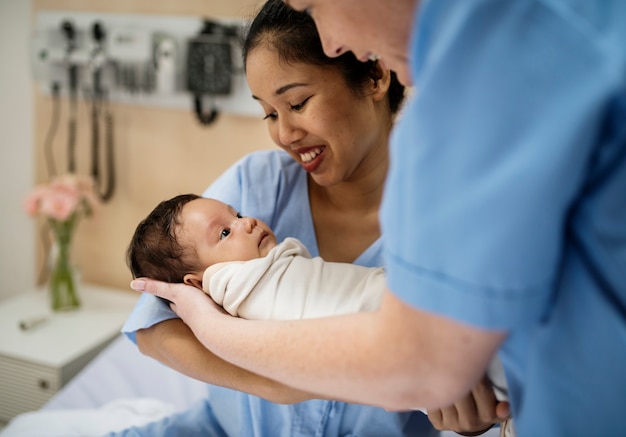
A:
(25, 386)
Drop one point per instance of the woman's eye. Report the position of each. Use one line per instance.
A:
(224, 233)
(300, 105)
(270, 116)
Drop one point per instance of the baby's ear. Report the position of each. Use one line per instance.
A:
(194, 280)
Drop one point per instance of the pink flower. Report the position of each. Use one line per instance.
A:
(31, 203)
(62, 197)
(60, 204)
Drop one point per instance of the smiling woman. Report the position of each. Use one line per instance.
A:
(320, 122)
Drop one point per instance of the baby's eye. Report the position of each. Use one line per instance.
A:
(224, 233)
(239, 215)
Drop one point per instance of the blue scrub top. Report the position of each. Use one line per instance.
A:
(271, 186)
(505, 205)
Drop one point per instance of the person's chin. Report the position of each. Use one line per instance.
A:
(267, 243)
(271, 244)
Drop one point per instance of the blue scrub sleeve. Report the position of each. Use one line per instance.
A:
(148, 311)
(488, 158)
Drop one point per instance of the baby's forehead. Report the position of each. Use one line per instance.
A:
(215, 204)
(204, 213)
(188, 233)
(205, 206)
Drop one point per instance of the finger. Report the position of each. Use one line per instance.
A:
(468, 417)
(448, 418)
(503, 410)
(485, 402)
(138, 284)
(160, 289)
(436, 418)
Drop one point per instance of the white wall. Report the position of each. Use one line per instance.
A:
(17, 232)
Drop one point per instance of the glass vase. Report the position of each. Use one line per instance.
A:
(63, 284)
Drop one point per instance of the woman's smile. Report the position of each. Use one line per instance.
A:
(310, 157)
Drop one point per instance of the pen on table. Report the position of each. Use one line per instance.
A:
(31, 322)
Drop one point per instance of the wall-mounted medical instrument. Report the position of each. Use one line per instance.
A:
(165, 64)
(101, 117)
(69, 32)
(210, 67)
(83, 63)
(145, 60)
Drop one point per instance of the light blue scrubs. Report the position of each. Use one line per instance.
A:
(505, 205)
(271, 186)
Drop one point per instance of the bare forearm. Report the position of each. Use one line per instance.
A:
(172, 343)
(397, 358)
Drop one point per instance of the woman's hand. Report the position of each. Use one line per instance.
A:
(472, 415)
(186, 301)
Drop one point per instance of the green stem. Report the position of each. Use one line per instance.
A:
(63, 290)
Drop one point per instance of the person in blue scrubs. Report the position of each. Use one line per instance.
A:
(504, 217)
(332, 117)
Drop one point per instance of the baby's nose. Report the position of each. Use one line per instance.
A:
(248, 223)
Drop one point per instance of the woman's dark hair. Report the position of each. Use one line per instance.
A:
(294, 36)
(154, 251)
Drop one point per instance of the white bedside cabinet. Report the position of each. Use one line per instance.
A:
(35, 363)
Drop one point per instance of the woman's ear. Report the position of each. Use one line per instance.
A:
(381, 83)
(193, 279)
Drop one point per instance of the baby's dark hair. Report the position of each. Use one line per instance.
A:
(154, 251)
(295, 37)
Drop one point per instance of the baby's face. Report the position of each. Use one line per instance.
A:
(219, 233)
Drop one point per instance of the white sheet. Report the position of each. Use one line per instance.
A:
(118, 389)
(121, 371)
(88, 422)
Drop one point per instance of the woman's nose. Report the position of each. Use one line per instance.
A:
(288, 131)
(331, 48)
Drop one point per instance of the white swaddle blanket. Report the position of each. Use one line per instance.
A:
(289, 284)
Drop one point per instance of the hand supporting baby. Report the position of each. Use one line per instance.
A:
(186, 301)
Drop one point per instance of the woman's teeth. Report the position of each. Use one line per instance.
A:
(310, 155)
